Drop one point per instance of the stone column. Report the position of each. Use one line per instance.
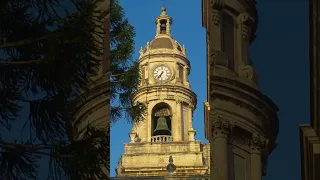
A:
(149, 124)
(158, 27)
(221, 129)
(177, 133)
(190, 116)
(185, 74)
(257, 143)
(168, 27)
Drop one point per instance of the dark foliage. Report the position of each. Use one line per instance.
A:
(48, 53)
(125, 72)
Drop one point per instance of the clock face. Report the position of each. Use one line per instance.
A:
(161, 73)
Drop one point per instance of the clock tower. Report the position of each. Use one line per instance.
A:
(166, 135)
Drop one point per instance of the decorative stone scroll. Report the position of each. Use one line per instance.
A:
(247, 72)
(257, 143)
(221, 128)
(215, 17)
(242, 20)
(216, 6)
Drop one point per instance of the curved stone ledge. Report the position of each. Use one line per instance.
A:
(150, 56)
(150, 93)
(91, 101)
(263, 110)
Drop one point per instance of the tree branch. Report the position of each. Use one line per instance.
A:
(29, 41)
(4, 62)
(36, 149)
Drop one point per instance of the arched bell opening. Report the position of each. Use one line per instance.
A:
(161, 123)
(163, 26)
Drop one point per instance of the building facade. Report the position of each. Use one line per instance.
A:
(310, 134)
(162, 146)
(93, 106)
(241, 123)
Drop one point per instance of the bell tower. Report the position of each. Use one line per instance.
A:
(166, 131)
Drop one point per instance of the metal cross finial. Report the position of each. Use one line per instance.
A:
(162, 3)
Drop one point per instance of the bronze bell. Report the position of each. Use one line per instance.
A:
(162, 127)
(163, 28)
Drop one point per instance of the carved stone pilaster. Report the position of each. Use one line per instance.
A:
(158, 26)
(257, 144)
(221, 128)
(168, 27)
(242, 20)
(216, 6)
(215, 17)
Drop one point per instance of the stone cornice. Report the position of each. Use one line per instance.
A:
(308, 138)
(91, 100)
(217, 4)
(249, 98)
(164, 55)
(173, 88)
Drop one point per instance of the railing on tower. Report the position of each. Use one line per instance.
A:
(161, 138)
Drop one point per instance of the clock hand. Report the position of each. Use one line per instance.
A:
(160, 74)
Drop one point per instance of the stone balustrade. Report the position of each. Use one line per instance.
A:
(161, 138)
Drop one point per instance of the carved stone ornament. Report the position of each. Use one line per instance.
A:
(247, 72)
(221, 128)
(257, 143)
(217, 4)
(215, 17)
(242, 20)
(218, 58)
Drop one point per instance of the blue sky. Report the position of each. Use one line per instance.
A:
(279, 53)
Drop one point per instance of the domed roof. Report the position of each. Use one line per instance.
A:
(163, 42)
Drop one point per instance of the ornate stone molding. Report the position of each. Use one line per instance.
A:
(247, 97)
(221, 128)
(216, 6)
(215, 17)
(242, 20)
(257, 143)
(247, 72)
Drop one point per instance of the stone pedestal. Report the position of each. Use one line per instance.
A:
(132, 137)
(191, 133)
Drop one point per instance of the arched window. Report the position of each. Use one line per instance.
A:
(161, 120)
(228, 38)
(180, 70)
(163, 27)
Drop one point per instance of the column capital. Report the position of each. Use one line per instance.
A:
(179, 101)
(221, 128)
(257, 143)
(191, 106)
